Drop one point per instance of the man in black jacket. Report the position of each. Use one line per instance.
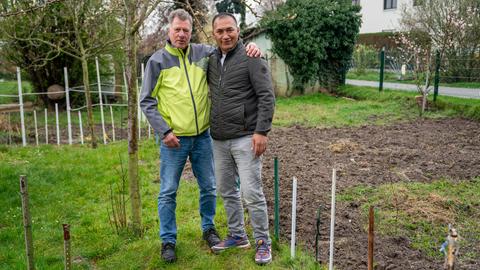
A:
(241, 116)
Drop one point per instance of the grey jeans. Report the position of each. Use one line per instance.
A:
(235, 159)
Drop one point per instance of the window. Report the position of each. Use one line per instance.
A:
(355, 2)
(389, 4)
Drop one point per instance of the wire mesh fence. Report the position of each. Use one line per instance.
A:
(461, 73)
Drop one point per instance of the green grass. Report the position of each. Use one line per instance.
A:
(443, 107)
(11, 88)
(422, 212)
(358, 106)
(392, 77)
(70, 184)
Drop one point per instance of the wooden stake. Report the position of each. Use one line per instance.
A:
(27, 222)
(66, 247)
(371, 235)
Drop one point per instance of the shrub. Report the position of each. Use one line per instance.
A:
(315, 38)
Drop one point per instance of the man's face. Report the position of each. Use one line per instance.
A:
(180, 33)
(225, 32)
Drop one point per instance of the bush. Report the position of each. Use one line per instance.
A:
(364, 57)
(315, 39)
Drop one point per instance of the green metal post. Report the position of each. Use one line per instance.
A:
(437, 76)
(277, 214)
(382, 67)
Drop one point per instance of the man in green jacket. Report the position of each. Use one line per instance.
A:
(175, 100)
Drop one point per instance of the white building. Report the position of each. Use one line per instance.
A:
(381, 15)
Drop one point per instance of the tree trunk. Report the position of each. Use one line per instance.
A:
(88, 98)
(424, 102)
(131, 74)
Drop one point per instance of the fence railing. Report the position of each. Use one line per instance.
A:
(98, 87)
(369, 64)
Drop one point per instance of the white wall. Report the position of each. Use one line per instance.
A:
(375, 19)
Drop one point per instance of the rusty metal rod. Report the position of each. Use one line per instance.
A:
(66, 247)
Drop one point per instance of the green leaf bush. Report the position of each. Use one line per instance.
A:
(315, 39)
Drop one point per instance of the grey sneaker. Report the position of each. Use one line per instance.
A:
(231, 242)
(264, 252)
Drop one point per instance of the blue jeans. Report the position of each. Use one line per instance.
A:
(172, 161)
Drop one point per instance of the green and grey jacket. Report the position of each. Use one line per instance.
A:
(174, 93)
(242, 95)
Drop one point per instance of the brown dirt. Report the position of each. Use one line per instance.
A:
(422, 151)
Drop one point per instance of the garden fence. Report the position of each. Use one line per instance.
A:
(18, 125)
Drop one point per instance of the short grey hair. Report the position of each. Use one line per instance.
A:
(181, 14)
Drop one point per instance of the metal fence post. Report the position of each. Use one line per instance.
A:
(294, 217)
(277, 215)
(382, 67)
(36, 127)
(101, 101)
(67, 96)
(113, 123)
(80, 126)
(437, 76)
(57, 123)
(46, 126)
(20, 103)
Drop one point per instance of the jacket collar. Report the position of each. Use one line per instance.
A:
(176, 51)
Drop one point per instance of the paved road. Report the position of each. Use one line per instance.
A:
(442, 90)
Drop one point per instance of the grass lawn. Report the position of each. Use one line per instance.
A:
(358, 106)
(71, 184)
(392, 77)
(11, 88)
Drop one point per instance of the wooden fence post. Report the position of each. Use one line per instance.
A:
(27, 222)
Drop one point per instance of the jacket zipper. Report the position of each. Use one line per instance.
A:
(191, 92)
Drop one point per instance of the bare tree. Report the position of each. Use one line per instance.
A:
(135, 12)
(198, 11)
(92, 33)
(443, 26)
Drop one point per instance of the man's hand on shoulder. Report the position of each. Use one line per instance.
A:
(171, 140)
(253, 50)
(259, 144)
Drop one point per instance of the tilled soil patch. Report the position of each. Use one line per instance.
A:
(420, 151)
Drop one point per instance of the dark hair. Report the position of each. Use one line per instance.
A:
(223, 15)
